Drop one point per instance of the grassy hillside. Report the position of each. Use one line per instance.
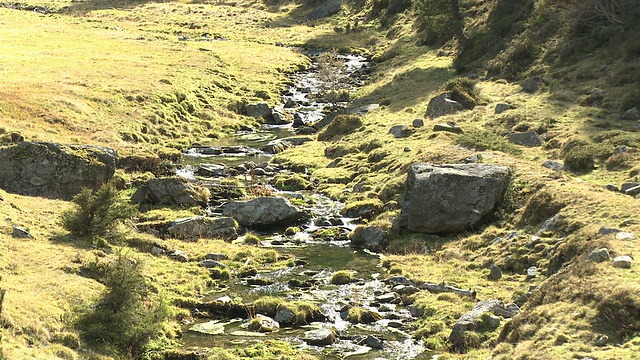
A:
(150, 78)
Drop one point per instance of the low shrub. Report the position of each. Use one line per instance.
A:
(341, 277)
(463, 90)
(481, 140)
(96, 213)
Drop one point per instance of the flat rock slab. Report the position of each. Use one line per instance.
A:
(263, 211)
(451, 198)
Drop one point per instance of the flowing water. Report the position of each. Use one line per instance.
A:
(319, 259)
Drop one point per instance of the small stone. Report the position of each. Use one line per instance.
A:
(401, 131)
(157, 251)
(531, 85)
(216, 256)
(407, 149)
(612, 187)
(602, 340)
(405, 289)
(414, 311)
(553, 165)
(549, 224)
(418, 123)
(492, 322)
(451, 127)
(179, 255)
(208, 263)
(373, 342)
(532, 272)
(285, 317)
(599, 255)
(321, 337)
(625, 236)
(528, 139)
(392, 298)
(501, 107)
(21, 233)
(513, 308)
(606, 231)
(623, 262)
(263, 324)
(495, 273)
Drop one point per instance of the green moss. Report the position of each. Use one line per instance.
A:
(251, 239)
(220, 274)
(481, 140)
(360, 315)
(341, 277)
(291, 182)
(340, 126)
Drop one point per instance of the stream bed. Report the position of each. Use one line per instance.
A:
(386, 335)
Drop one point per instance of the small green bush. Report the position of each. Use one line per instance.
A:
(463, 90)
(96, 213)
(340, 126)
(251, 239)
(128, 316)
(580, 159)
(220, 274)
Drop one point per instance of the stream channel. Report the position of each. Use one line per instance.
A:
(387, 336)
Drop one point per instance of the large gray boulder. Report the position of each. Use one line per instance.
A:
(194, 228)
(171, 191)
(329, 8)
(259, 110)
(441, 105)
(263, 211)
(369, 237)
(55, 170)
(451, 198)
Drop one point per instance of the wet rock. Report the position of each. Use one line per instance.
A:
(175, 191)
(495, 273)
(54, 170)
(450, 198)
(374, 342)
(263, 324)
(405, 289)
(285, 317)
(418, 123)
(263, 211)
(216, 256)
(391, 298)
(194, 228)
(210, 264)
(414, 311)
(178, 255)
(622, 262)
(321, 337)
(529, 139)
(371, 238)
(599, 255)
(276, 146)
(212, 170)
(501, 107)
(259, 110)
(328, 8)
(451, 127)
(401, 131)
(20, 233)
(280, 117)
(441, 105)
(553, 165)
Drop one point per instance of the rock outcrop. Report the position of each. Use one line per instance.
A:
(451, 198)
(194, 228)
(263, 211)
(441, 105)
(171, 191)
(55, 170)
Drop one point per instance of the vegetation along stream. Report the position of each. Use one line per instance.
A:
(358, 315)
